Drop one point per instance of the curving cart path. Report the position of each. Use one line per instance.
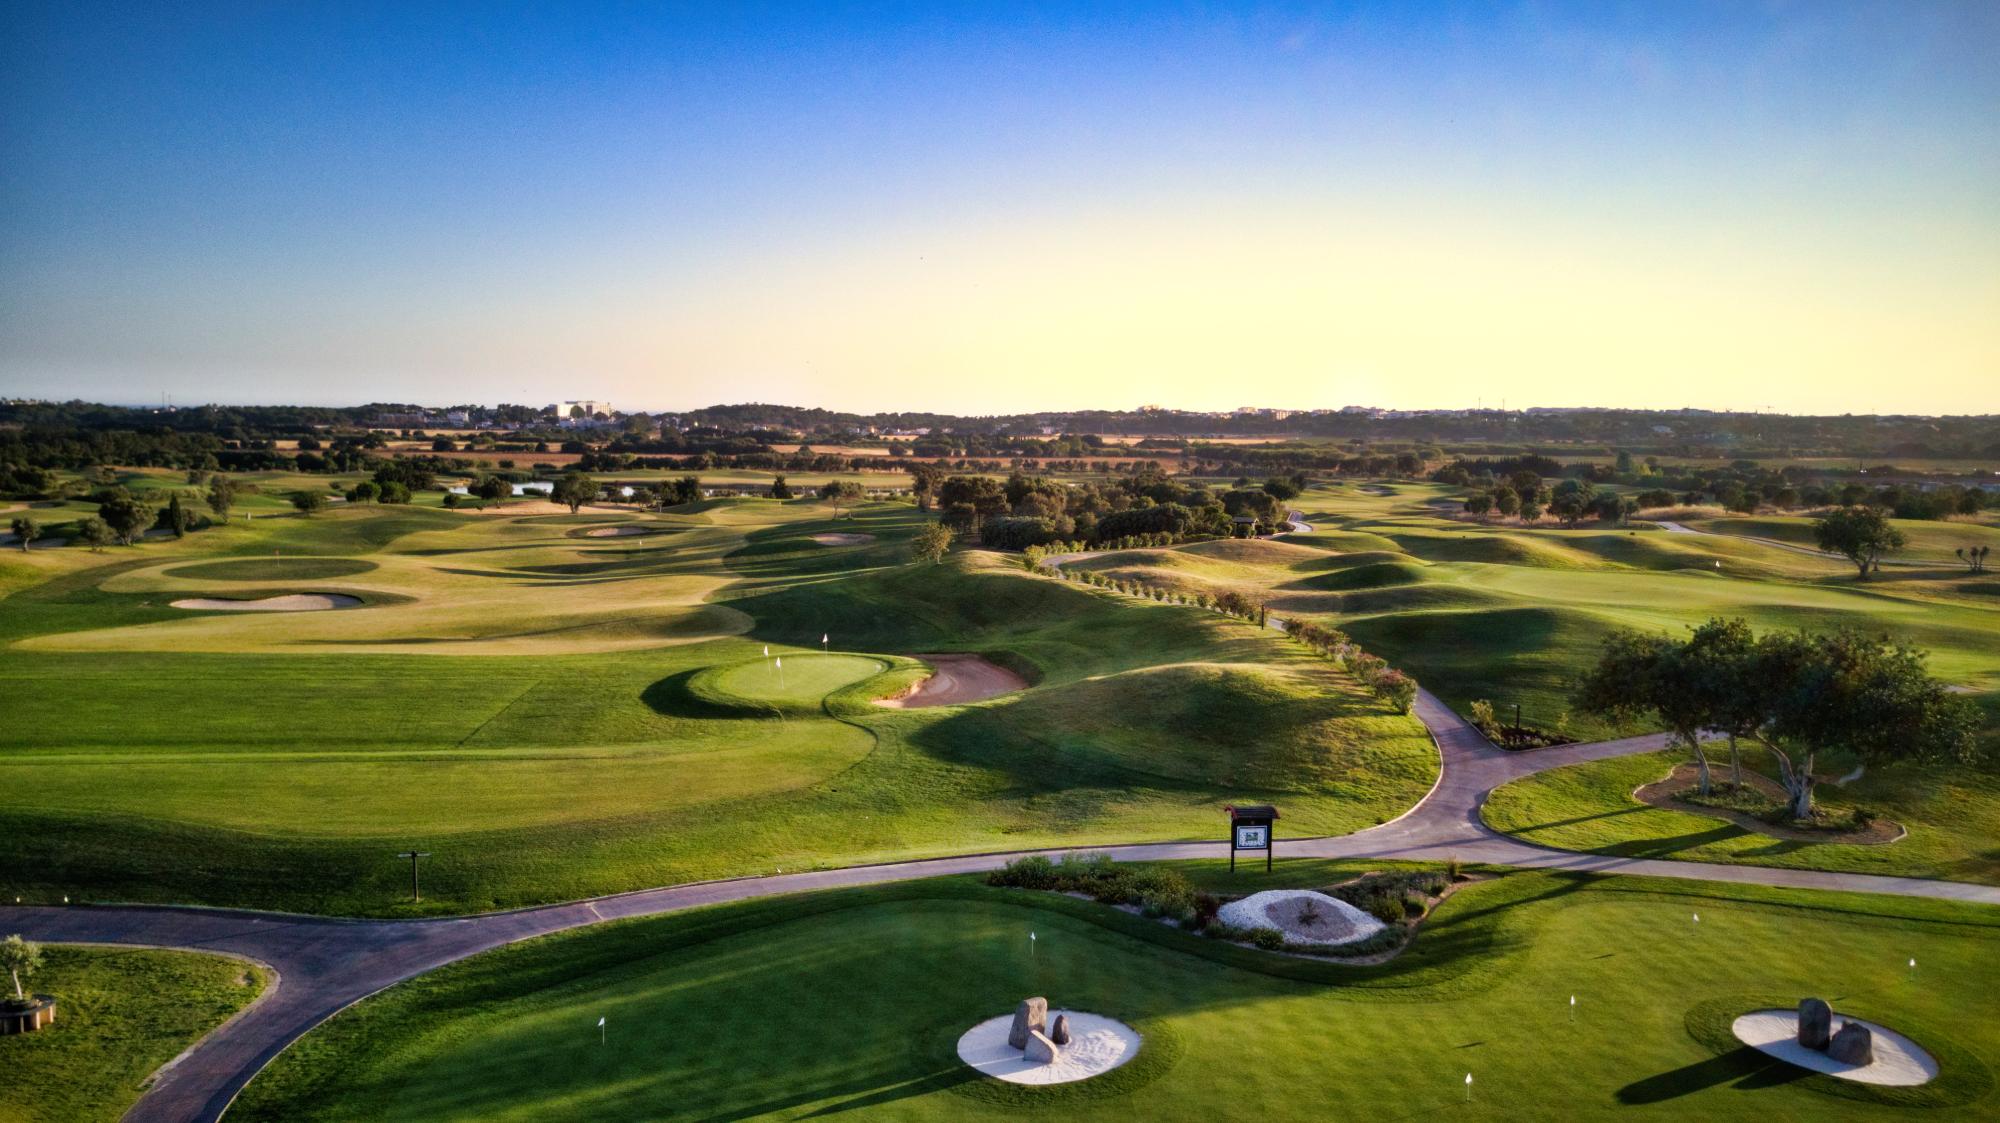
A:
(323, 965)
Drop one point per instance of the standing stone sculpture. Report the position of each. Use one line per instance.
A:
(1041, 1050)
(1853, 1045)
(1059, 1032)
(1815, 1023)
(1031, 1016)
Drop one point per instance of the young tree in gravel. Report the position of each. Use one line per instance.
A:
(1640, 673)
(1861, 696)
(26, 530)
(932, 543)
(22, 958)
(1859, 533)
(221, 495)
(574, 489)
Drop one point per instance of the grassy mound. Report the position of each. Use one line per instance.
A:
(1373, 575)
(1505, 655)
(1497, 549)
(1221, 726)
(272, 569)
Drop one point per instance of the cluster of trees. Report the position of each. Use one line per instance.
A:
(1799, 696)
(1974, 557)
(1743, 486)
(1028, 510)
(1571, 500)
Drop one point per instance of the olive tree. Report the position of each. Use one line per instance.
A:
(22, 958)
(1861, 534)
(26, 530)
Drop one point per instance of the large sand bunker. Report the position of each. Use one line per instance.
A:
(956, 680)
(293, 602)
(615, 531)
(834, 538)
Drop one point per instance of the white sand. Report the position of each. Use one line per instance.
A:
(1097, 1045)
(842, 539)
(1338, 923)
(956, 680)
(1899, 1061)
(613, 531)
(295, 602)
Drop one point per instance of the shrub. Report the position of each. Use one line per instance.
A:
(1270, 939)
(1386, 909)
(1414, 905)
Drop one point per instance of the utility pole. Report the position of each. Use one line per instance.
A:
(415, 893)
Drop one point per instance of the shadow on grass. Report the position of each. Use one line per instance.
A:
(1748, 1068)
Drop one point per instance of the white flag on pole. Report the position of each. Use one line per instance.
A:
(600, 1023)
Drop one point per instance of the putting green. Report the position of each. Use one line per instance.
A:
(272, 569)
(851, 1003)
(787, 681)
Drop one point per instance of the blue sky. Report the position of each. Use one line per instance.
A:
(997, 207)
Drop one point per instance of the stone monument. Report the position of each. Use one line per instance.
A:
(1030, 1017)
(1815, 1024)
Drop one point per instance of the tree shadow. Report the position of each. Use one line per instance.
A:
(1748, 1068)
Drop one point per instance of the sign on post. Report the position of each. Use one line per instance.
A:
(1250, 829)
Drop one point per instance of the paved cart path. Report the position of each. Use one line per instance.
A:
(323, 965)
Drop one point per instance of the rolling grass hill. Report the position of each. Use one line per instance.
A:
(556, 715)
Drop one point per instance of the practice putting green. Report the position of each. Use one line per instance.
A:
(850, 1003)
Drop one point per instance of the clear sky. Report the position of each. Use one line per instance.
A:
(996, 207)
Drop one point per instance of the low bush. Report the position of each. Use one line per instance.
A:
(1156, 890)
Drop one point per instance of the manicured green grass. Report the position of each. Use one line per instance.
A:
(851, 1003)
(556, 716)
(1952, 818)
(120, 1015)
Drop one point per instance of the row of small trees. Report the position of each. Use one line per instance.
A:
(1387, 683)
(1797, 695)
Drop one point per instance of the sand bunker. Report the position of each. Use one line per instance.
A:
(956, 680)
(1305, 917)
(1899, 1062)
(832, 539)
(615, 531)
(294, 602)
(1097, 1045)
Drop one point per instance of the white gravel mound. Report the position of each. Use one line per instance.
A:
(1305, 917)
(1899, 1062)
(1097, 1045)
(296, 602)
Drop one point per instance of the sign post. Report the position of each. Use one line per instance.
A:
(1250, 829)
(416, 894)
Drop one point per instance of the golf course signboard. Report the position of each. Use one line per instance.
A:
(1250, 829)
